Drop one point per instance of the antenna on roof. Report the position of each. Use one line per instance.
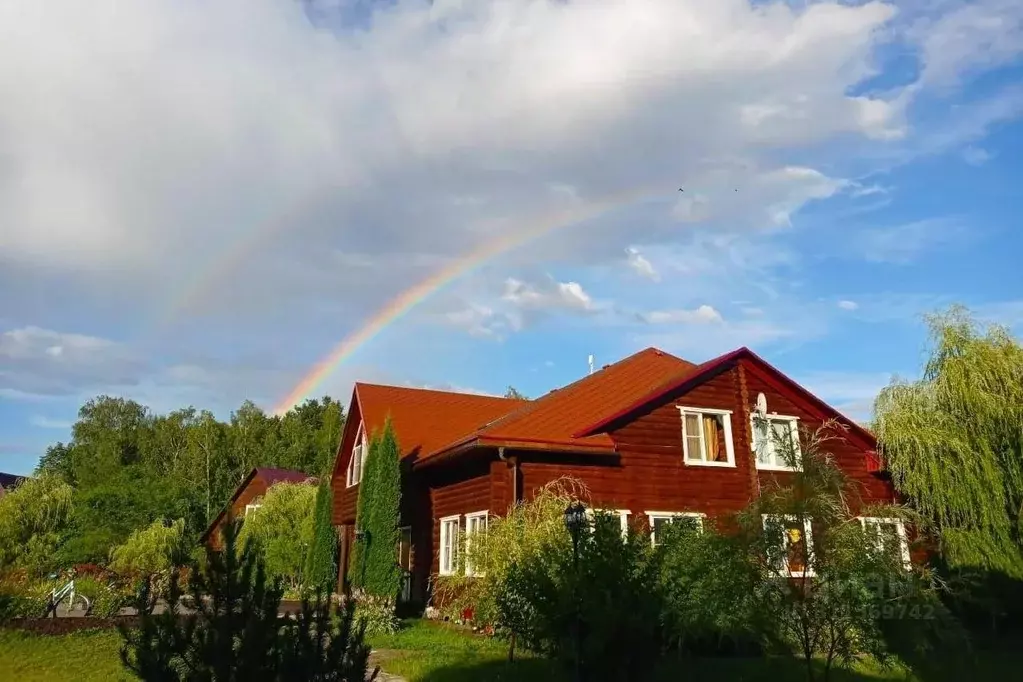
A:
(591, 363)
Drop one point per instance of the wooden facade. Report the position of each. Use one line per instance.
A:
(633, 461)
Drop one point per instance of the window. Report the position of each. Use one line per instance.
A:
(707, 437)
(889, 536)
(658, 520)
(770, 435)
(793, 554)
(449, 527)
(622, 514)
(474, 523)
(358, 460)
(252, 507)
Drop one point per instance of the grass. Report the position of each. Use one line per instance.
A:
(86, 656)
(437, 652)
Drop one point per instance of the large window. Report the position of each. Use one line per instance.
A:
(889, 535)
(657, 521)
(622, 514)
(358, 461)
(776, 442)
(249, 508)
(792, 550)
(707, 437)
(474, 524)
(449, 528)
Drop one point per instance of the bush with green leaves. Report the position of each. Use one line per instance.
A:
(374, 566)
(282, 530)
(33, 518)
(22, 596)
(530, 531)
(321, 562)
(376, 613)
(235, 632)
(708, 585)
(107, 596)
(605, 597)
(150, 550)
(853, 589)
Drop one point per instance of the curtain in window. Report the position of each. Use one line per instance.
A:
(693, 445)
(712, 439)
(796, 548)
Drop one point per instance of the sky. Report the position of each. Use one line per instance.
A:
(200, 200)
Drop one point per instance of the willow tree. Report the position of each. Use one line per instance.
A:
(953, 441)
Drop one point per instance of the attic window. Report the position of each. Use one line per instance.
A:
(707, 437)
(358, 459)
(776, 442)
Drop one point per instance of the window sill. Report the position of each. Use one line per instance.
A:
(353, 485)
(700, 463)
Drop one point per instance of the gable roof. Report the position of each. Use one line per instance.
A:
(270, 477)
(704, 371)
(425, 419)
(8, 481)
(553, 419)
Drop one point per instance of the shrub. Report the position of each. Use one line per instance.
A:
(529, 531)
(708, 584)
(607, 596)
(32, 517)
(151, 550)
(106, 596)
(376, 613)
(22, 597)
(235, 632)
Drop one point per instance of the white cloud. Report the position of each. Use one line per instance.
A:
(850, 393)
(548, 294)
(640, 264)
(902, 244)
(848, 305)
(705, 314)
(976, 156)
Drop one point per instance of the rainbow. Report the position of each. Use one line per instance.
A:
(408, 299)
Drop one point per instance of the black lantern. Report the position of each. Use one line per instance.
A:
(575, 519)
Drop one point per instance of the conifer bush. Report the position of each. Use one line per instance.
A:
(321, 562)
(374, 564)
(235, 633)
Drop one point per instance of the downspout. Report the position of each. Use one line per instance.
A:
(514, 463)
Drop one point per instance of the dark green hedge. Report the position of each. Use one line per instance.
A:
(374, 558)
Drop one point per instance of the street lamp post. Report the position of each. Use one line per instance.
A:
(575, 520)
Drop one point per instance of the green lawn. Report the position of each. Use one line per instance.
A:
(436, 652)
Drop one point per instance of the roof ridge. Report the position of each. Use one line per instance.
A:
(437, 390)
(536, 403)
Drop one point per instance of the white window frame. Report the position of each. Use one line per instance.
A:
(469, 532)
(670, 516)
(252, 507)
(794, 432)
(700, 411)
(360, 449)
(900, 529)
(622, 514)
(447, 557)
(807, 539)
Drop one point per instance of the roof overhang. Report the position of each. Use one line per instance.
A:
(493, 442)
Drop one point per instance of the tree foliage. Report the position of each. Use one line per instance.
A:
(32, 518)
(282, 530)
(130, 467)
(375, 564)
(321, 562)
(513, 392)
(953, 441)
(235, 633)
(154, 549)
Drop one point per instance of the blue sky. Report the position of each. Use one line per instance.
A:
(846, 168)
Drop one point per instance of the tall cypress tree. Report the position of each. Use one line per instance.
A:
(375, 565)
(321, 561)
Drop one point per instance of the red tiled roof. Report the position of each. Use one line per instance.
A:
(424, 419)
(553, 418)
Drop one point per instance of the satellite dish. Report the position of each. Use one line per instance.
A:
(761, 404)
